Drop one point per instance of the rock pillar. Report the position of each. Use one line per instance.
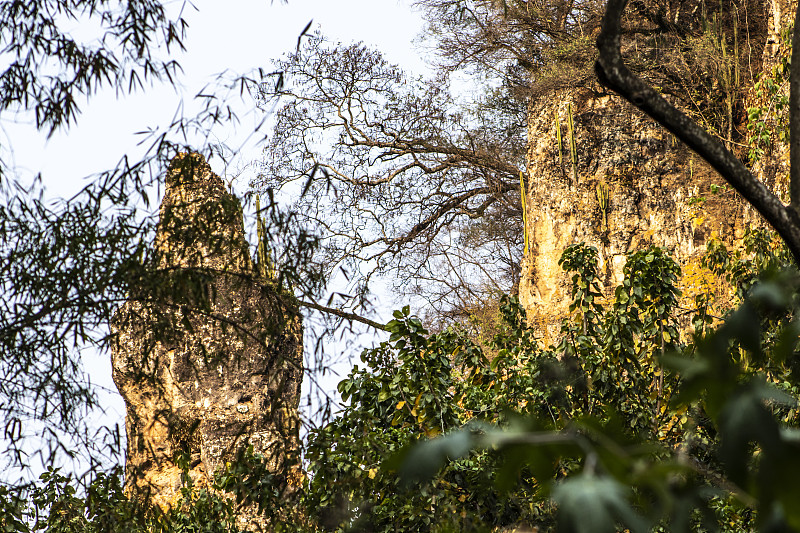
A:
(207, 355)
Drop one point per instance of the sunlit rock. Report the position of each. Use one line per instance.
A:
(207, 355)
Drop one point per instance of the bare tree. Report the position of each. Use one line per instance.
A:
(535, 47)
(397, 176)
(698, 52)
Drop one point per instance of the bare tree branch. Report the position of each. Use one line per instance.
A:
(343, 314)
(403, 166)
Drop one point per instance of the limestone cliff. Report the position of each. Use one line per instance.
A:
(207, 356)
(635, 187)
(630, 184)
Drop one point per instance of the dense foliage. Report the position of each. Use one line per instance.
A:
(620, 421)
(64, 265)
(624, 420)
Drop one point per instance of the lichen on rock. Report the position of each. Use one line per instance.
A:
(636, 186)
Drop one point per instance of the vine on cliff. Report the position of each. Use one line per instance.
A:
(768, 119)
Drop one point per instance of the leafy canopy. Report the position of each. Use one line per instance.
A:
(620, 422)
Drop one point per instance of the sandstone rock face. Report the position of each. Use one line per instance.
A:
(634, 186)
(208, 357)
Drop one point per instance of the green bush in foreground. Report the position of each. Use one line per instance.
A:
(621, 423)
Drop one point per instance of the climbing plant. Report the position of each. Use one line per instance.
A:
(767, 120)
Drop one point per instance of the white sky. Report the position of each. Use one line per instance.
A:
(236, 36)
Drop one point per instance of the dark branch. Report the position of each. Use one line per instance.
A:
(343, 314)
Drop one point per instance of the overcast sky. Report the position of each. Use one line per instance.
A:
(235, 36)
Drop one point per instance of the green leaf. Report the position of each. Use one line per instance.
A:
(422, 460)
(590, 504)
(743, 420)
(384, 394)
(743, 325)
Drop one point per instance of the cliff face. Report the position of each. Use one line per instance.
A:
(635, 187)
(633, 184)
(207, 356)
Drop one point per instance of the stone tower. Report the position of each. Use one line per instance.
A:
(207, 355)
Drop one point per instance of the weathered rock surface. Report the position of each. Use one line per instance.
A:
(208, 356)
(635, 184)
(659, 192)
(655, 190)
